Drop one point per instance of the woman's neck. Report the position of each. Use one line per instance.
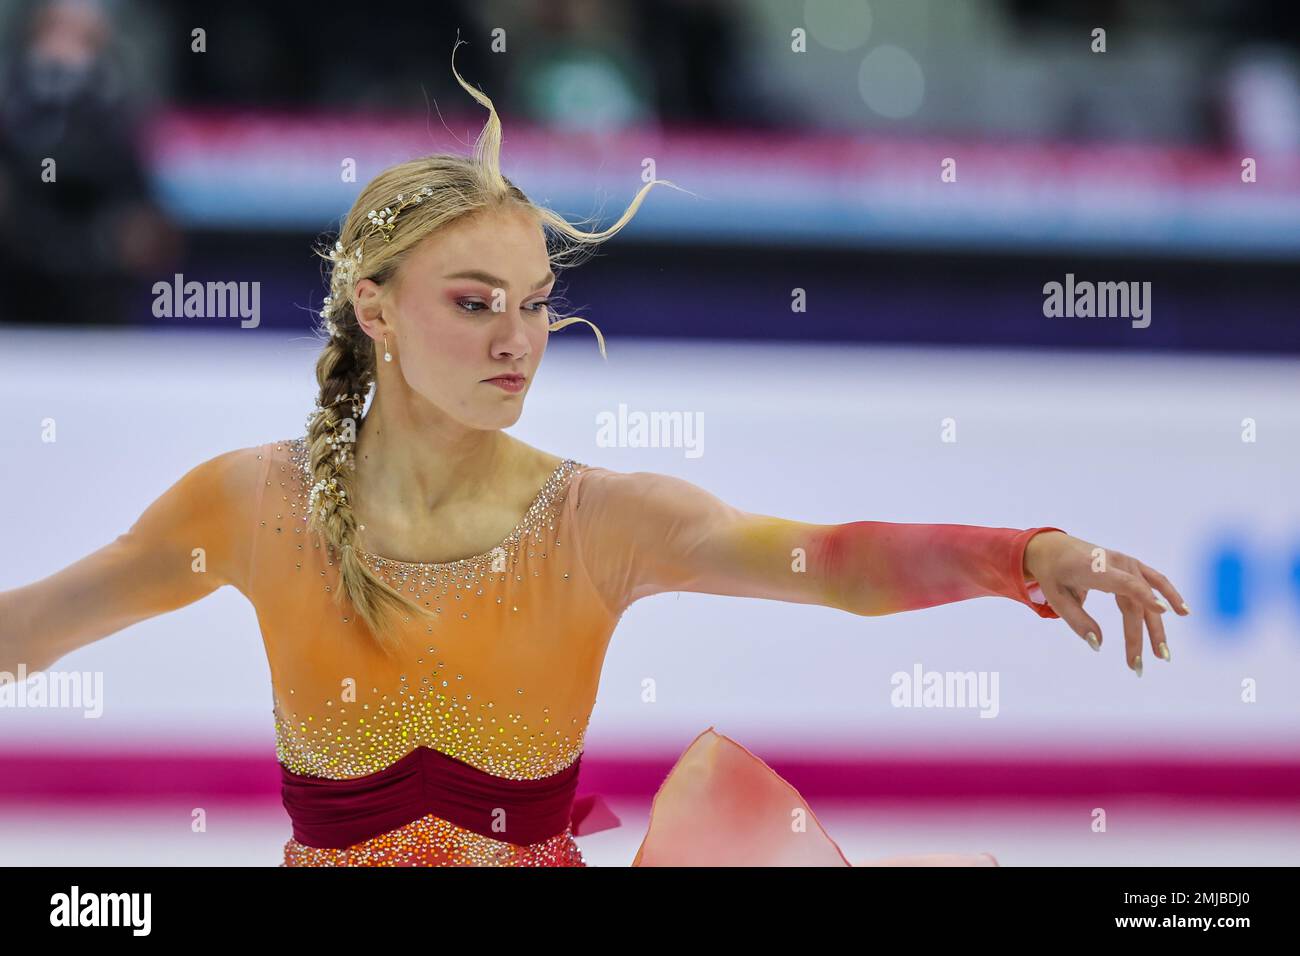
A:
(426, 464)
(437, 489)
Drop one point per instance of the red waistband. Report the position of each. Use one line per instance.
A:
(336, 814)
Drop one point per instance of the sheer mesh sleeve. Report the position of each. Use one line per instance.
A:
(644, 533)
(193, 539)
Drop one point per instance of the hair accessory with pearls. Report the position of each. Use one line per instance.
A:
(335, 438)
(382, 223)
(327, 488)
(343, 276)
(342, 444)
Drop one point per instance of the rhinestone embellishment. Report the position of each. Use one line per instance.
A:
(433, 705)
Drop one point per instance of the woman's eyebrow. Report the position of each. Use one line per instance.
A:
(493, 280)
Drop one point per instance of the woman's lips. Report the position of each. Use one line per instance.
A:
(507, 383)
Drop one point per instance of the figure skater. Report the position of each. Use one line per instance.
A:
(430, 708)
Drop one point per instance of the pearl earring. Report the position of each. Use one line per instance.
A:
(387, 357)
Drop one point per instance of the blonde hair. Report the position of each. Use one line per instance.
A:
(459, 187)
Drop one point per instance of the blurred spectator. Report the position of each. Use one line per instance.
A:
(77, 226)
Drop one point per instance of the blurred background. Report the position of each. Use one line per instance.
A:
(882, 190)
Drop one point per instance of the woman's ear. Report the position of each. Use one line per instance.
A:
(369, 308)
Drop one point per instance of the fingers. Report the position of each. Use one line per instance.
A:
(1131, 587)
(1163, 585)
(1070, 608)
(1139, 606)
(1132, 583)
(1156, 633)
(1134, 618)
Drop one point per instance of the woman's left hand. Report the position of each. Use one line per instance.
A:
(1066, 568)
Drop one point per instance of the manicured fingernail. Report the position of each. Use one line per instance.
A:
(1186, 608)
(1137, 665)
(1164, 650)
(1093, 642)
(1161, 602)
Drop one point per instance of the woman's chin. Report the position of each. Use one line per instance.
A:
(505, 415)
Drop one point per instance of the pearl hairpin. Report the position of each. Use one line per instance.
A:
(346, 267)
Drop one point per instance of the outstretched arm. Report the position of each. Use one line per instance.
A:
(190, 541)
(644, 533)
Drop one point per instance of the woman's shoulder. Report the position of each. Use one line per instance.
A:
(283, 448)
(234, 470)
(239, 476)
(290, 456)
(542, 467)
(631, 491)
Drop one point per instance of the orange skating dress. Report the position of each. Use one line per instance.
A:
(466, 749)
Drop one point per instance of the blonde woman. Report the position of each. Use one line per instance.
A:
(436, 597)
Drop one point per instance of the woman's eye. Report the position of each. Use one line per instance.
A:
(466, 304)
